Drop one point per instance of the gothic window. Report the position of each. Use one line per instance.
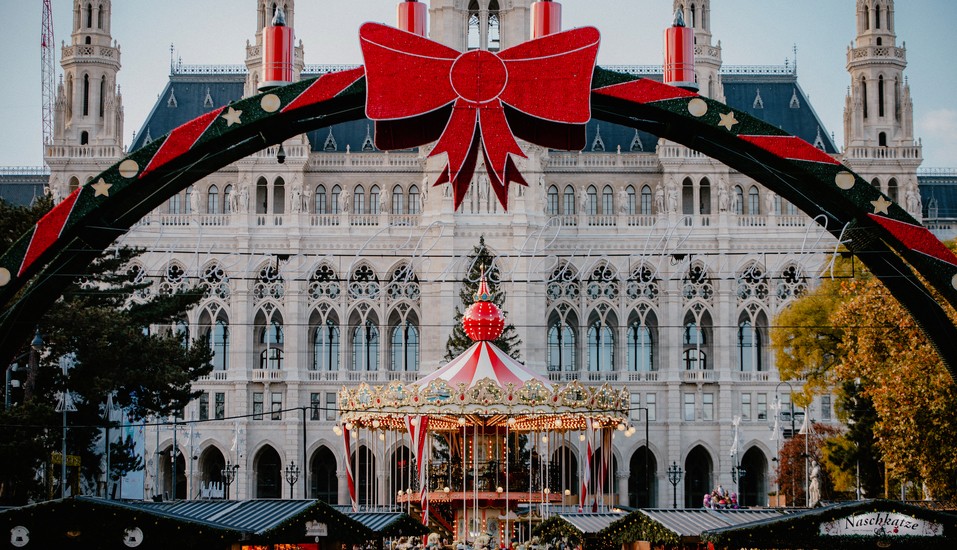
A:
(405, 347)
(880, 96)
(102, 96)
(474, 38)
(876, 183)
(568, 208)
(365, 347)
(704, 197)
(69, 97)
(84, 138)
(711, 87)
(630, 207)
(691, 16)
(867, 18)
(86, 95)
(607, 201)
(877, 17)
(791, 283)
(754, 201)
(220, 343)
(212, 200)
(641, 343)
(892, 190)
(336, 208)
(374, 200)
(552, 200)
(646, 201)
(271, 340)
(397, 204)
(321, 199)
(696, 340)
(864, 94)
(99, 17)
(187, 208)
(414, 200)
(89, 16)
(897, 99)
(359, 201)
(261, 196)
(494, 27)
(561, 346)
(752, 283)
(74, 184)
(687, 196)
(739, 200)
(601, 347)
(279, 196)
(592, 201)
(880, 42)
(325, 350)
(174, 204)
(227, 193)
(882, 139)
(751, 334)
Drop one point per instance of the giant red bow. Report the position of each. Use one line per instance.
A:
(420, 91)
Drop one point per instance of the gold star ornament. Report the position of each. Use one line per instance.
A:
(232, 117)
(102, 188)
(880, 205)
(727, 120)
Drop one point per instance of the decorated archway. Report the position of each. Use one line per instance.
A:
(881, 233)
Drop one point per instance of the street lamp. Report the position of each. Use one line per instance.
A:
(777, 397)
(674, 476)
(292, 475)
(737, 476)
(229, 474)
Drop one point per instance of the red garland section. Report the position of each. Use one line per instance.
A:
(537, 91)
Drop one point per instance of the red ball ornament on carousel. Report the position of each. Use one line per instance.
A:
(483, 320)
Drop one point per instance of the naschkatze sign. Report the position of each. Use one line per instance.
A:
(878, 524)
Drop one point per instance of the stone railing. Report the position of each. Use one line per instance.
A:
(866, 52)
(643, 70)
(791, 221)
(366, 160)
(699, 376)
(642, 221)
(409, 219)
(939, 172)
(650, 376)
(647, 161)
(323, 375)
(680, 152)
(85, 151)
(313, 70)
(602, 221)
(324, 220)
(563, 376)
(609, 376)
(267, 375)
(752, 221)
(878, 153)
(759, 376)
(24, 171)
(216, 375)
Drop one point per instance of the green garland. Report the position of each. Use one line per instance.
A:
(637, 526)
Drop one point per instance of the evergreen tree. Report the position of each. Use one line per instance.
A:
(458, 342)
(115, 352)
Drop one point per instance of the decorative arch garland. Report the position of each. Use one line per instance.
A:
(881, 233)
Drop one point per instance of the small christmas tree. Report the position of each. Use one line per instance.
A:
(458, 342)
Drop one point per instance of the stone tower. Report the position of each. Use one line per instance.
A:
(89, 109)
(707, 57)
(480, 24)
(88, 119)
(265, 10)
(878, 113)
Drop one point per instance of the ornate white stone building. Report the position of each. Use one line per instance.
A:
(636, 262)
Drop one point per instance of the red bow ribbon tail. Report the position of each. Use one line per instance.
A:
(497, 144)
(460, 142)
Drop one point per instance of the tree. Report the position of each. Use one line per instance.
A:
(852, 456)
(117, 354)
(791, 464)
(458, 341)
(913, 395)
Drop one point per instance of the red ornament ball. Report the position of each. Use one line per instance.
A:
(483, 321)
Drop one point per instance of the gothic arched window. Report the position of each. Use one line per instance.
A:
(687, 196)
(561, 347)
(227, 193)
(754, 201)
(336, 208)
(607, 201)
(414, 200)
(397, 204)
(739, 200)
(864, 95)
(359, 201)
(365, 347)
(630, 207)
(272, 337)
(325, 350)
(321, 199)
(405, 347)
(552, 201)
(374, 200)
(880, 96)
(704, 197)
(892, 190)
(646, 201)
(568, 206)
(474, 36)
(220, 343)
(601, 347)
(86, 95)
(641, 344)
(212, 200)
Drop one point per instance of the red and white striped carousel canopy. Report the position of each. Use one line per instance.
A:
(484, 360)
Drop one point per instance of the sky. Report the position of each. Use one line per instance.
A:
(751, 32)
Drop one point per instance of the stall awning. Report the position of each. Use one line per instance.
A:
(391, 524)
(670, 526)
(590, 524)
(850, 525)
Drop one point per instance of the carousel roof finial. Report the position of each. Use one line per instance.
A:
(483, 320)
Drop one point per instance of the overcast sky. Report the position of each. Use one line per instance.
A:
(752, 32)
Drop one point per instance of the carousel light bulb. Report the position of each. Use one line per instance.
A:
(336, 430)
(512, 421)
(558, 422)
(627, 433)
(355, 435)
(499, 490)
(400, 492)
(376, 423)
(546, 491)
(568, 492)
(544, 439)
(581, 437)
(462, 421)
(621, 427)
(447, 490)
(381, 437)
(349, 425)
(414, 421)
(408, 491)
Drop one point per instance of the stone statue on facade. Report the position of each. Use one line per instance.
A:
(194, 202)
(622, 201)
(423, 193)
(543, 193)
(306, 198)
(295, 198)
(344, 197)
(673, 197)
(583, 201)
(55, 193)
(769, 203)
(385, 201)
(659, 199)
(733, 204)
(722, 197)
(814, 487)
(243, 200)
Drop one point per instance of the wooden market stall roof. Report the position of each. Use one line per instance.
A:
(858, 524)
(676, 526)
(390, 524)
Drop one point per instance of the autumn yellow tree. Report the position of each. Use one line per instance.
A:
(913, 394)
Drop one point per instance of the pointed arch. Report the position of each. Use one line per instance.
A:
(323, 479)
(267, 472)
(699, 473)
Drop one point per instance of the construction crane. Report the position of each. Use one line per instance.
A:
(47, 73)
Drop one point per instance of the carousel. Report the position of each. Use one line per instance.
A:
(495, 446)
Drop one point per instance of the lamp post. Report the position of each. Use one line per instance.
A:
(292, 475)
(674, 476)
(65, 405)
(229, 474)
(791, 413)
(737, 476)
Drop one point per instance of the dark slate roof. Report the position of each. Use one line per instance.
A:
(777, 93)
(690, 522)
(190, 90)
(20, 186)
(590, 524)
(939, 185)
(390, 524)
(252, 516)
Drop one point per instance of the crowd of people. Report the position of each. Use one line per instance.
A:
(718, 499)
